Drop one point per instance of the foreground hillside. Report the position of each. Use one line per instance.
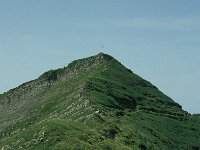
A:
(94, 103)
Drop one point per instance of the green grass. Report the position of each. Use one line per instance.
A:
(94, 103)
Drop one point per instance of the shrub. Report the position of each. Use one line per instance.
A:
(142, 146)
(51, 75)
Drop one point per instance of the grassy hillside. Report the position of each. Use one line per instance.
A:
(94, 103)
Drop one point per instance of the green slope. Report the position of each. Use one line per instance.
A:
(94, 103)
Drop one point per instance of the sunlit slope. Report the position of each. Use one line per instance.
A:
(94, 103)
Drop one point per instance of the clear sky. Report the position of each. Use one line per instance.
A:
(158, 39)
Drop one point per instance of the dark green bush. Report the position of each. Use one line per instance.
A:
(51, 75)
(142, 146)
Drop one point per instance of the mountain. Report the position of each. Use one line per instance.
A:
(94, 103)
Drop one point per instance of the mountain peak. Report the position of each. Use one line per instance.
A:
(96, 103)
(101, 56)
(78, 66)
(91, 61)
(104, 55)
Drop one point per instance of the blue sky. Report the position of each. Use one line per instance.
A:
(158, 40)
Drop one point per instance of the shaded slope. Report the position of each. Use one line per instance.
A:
(94, 103)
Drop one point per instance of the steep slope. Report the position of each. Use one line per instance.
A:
(94, 103)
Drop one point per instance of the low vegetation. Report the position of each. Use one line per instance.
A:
(94, 103)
